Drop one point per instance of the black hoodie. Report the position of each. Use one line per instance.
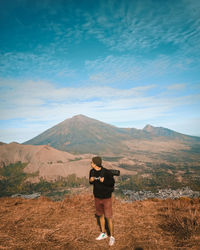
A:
(102, 189)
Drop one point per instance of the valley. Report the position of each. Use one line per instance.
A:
(148, 159)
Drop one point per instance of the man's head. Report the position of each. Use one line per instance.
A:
(97, 161)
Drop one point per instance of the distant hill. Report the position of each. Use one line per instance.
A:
(81, 134)
(168, 133)
(48, 162)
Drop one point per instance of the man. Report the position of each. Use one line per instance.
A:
(103, 186)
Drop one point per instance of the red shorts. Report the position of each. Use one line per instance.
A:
(103, 206)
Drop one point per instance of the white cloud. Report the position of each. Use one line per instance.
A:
(33, 65)
(113, 69)
(44, 101)
(38, 92)
(178, 86)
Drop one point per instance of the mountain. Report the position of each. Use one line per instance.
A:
(81, 134)
(168, 133)
(154, 156)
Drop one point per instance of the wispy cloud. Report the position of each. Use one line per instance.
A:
(169, 33)
(16, 93)
(178, 86)
(30, 65)
(112, 69)
(141, 25)
(44, 101)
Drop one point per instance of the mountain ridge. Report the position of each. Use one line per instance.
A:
(82, 134)
(160, 153)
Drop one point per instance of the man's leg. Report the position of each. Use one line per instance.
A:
(110, 226)
(102, 223)
(100, 210)
(100, 213)
(103, 234)
(108, 215)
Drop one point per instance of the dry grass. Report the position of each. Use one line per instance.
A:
(182, 219)
(71, 224)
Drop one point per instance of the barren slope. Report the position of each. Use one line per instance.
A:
(49, 162)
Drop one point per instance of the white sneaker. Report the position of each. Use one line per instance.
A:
(111, 241)
(102, 236)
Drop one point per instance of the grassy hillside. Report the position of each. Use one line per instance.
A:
(14, 180)
(158, 176)
(71, 224)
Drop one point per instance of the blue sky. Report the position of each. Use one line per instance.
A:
(126, 63)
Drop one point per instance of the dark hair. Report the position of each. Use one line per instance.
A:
(97, 161)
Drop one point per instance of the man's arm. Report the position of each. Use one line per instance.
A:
(108, 179)
(101, 179)
(91, 177)
(91, 180)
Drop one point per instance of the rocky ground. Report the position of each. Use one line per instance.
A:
(71, 224)
(161, 194)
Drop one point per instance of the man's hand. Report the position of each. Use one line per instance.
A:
(102, 179)
(92, 179)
